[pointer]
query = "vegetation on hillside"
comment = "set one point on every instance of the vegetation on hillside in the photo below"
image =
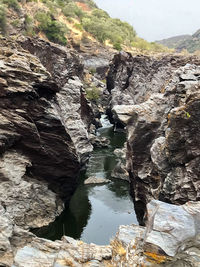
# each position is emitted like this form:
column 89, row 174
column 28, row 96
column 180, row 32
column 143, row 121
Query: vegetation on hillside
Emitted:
column 54, row 30
column 57, row 19
column 143, row 45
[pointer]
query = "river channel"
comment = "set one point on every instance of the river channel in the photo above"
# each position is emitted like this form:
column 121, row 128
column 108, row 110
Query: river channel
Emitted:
column 96, row 211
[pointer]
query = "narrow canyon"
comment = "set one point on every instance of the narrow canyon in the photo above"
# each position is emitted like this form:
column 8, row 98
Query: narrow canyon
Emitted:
column 112, row 181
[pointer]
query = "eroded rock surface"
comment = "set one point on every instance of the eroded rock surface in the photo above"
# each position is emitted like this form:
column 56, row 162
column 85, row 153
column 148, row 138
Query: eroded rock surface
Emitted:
column 67, row 252
column 171, row 237
column 158, row 102
column 169, row 231
column 95, row 180
column 133, row 79
column 43, row 137
column 67, row 70
column 120, row 171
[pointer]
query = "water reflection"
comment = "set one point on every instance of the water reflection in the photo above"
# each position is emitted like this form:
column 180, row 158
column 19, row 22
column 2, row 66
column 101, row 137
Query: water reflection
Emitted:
column 73, row 219
column 96, row 211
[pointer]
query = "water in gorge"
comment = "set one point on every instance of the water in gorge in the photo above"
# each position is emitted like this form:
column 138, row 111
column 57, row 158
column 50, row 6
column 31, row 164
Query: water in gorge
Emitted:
column 96, row 211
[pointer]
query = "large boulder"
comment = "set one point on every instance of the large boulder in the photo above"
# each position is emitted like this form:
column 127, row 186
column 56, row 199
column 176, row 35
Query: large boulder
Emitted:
column 169, row 231
column 67, row 252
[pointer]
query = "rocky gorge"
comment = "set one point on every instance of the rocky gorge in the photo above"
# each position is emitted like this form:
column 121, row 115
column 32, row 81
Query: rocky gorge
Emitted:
column 45, row 127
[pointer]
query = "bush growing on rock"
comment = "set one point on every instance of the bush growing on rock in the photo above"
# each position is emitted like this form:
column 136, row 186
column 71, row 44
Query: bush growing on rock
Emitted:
column 2, row 19
column 54, row 30
column 92, row 93
column 117, row 46
column 28, row 23
column 78, row 27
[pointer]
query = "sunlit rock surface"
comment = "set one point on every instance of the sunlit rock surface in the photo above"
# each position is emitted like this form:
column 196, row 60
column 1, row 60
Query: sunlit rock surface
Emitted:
column 169, row 231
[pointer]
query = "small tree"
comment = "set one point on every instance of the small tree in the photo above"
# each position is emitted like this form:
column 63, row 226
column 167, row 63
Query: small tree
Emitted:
column 2, row 19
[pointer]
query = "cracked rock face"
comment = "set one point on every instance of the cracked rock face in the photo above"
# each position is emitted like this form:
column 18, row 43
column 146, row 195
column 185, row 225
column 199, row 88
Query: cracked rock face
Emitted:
column 67, row 252
column 133, row 79
column 29, row 203
column 162, row 121
column 41, row 150
column 171, row 237
column 30, row 120
column 67, row 70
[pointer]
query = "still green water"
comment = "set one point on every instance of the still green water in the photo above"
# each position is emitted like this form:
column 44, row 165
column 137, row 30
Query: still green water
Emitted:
column 96, row 211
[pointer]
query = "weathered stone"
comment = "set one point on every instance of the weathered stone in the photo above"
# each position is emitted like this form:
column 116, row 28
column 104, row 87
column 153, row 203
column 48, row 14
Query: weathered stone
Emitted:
column 168, row 232
column 95, row 180
column 44, row 119
column 28, row 202
column 71, row 93
column 179, row 222
column 68, row 252
column 162, row 121
column 133, row 79
column 99, row 141
column 120, row 171
column 66, row 69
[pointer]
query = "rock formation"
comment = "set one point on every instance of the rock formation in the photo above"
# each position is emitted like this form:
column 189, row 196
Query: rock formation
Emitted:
column 67, row 70
column 44, row 141
column 43, row 136
column 171, row 238
column 160, row 110
column 172, row 232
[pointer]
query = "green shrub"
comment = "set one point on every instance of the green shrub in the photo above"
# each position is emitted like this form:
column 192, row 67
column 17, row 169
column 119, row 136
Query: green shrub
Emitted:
column 117, row 46
column 92, row 93
column 92, row 71
column 90, row 3
column 2, row 19
column 72, row 10
column 54, row 30
column 99, row 13
column 12, row 4
column 29, row 26
column 96, row 27
column 143, row 45
column 78, row 27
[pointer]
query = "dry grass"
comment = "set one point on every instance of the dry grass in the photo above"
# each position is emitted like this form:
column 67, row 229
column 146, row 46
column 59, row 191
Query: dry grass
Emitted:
column 66, row 262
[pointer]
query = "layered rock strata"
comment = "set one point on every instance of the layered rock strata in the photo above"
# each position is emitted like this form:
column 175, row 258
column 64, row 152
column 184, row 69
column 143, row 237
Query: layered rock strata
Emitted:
column 67, row 70
column 171, row 237
column 43, row 137
column 161, row 113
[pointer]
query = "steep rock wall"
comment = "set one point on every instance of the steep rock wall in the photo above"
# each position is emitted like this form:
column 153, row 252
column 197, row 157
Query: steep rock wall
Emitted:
column 66, row 69
column 43, row 138
column 160, row 110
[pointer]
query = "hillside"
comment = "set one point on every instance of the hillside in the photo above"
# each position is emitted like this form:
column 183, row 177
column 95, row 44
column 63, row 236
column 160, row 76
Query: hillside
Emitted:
column 69, row 22
column 189, row 42
column 174, row 41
